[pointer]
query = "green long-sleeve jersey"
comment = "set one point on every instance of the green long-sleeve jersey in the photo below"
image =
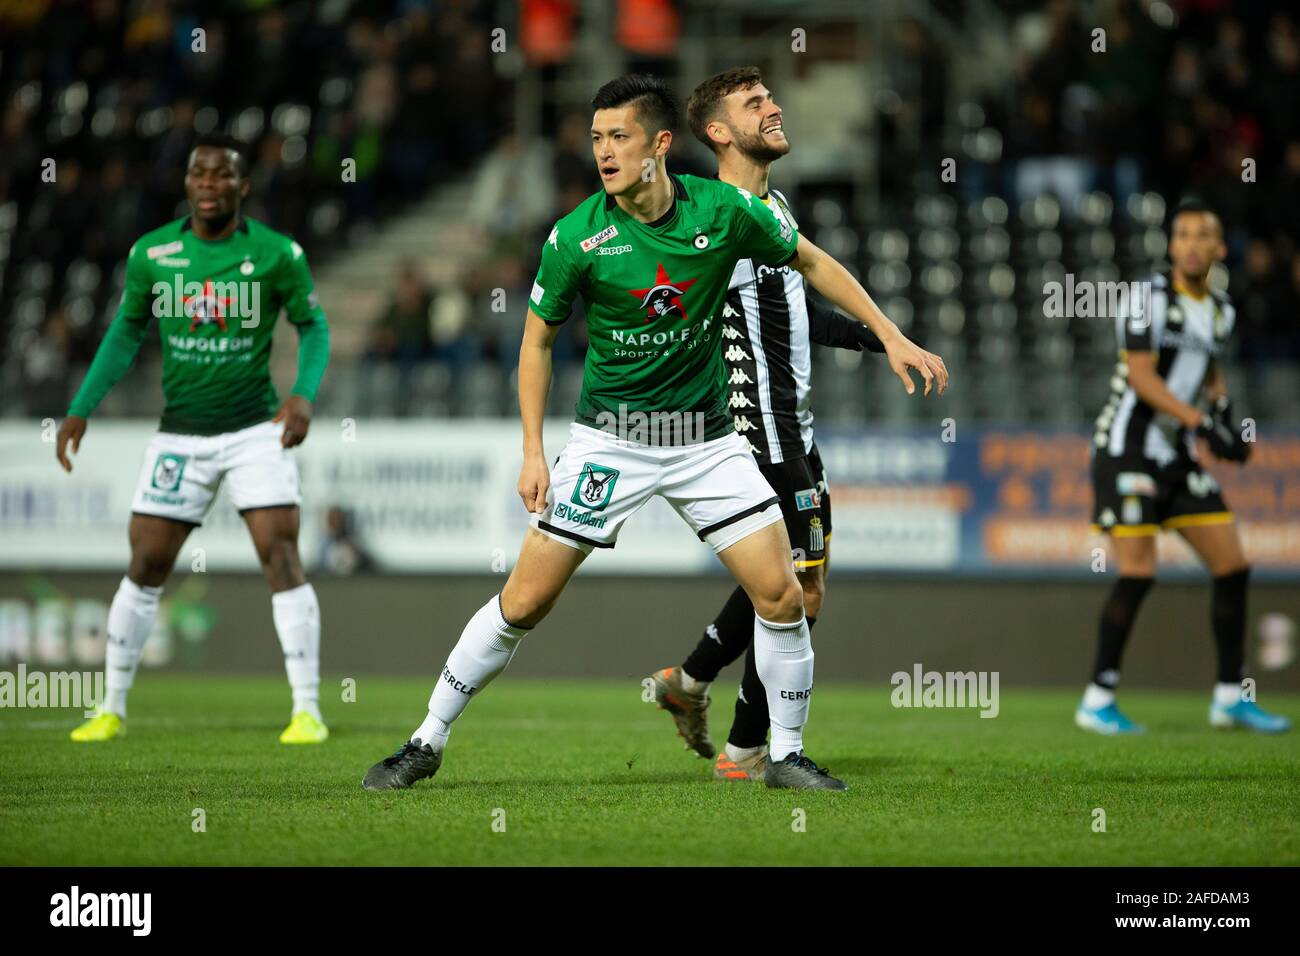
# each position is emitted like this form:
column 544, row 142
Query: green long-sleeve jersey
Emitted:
column 217, row 303
column 654, row 294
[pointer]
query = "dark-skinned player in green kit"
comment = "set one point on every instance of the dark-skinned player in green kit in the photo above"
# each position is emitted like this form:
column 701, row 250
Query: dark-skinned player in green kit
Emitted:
column 651, row 255
column 216, row 281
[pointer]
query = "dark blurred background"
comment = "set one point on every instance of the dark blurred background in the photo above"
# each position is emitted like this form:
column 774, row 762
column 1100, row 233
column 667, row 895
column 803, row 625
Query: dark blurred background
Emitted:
column 1067, row 160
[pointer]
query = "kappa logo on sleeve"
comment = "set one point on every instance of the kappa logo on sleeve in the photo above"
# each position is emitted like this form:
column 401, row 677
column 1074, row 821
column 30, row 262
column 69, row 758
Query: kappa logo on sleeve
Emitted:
column 603, row 236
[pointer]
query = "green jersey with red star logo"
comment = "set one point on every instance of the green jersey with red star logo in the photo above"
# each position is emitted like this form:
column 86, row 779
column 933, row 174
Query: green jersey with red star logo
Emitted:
column 653, row 294
column 217, row 303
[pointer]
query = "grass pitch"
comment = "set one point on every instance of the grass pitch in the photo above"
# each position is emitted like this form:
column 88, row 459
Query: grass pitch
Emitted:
column 585, row 773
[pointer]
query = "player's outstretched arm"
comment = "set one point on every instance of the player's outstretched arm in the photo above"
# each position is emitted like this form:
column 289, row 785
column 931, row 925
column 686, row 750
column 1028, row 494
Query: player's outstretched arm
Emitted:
column 838, row 285
column 534, row 382
column 832, row 329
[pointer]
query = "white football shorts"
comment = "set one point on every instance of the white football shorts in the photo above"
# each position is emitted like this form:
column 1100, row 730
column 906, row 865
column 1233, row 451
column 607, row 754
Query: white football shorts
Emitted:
column 182, row 473
column 600, row 480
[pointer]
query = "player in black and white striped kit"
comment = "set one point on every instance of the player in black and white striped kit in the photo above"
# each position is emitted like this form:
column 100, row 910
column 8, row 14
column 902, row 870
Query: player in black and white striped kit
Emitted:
column 769, row 322
column 1147, row 477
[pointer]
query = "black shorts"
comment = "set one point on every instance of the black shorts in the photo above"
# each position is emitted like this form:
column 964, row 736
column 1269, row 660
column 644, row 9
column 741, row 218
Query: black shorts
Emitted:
column 804, row 506
column 1136, row 497
column 819, row 473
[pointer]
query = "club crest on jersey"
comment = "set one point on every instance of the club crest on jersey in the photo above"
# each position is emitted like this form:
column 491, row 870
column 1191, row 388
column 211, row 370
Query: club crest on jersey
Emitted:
column 206, row 307
column 664, row 298
column 604, row 234
column 595, row 486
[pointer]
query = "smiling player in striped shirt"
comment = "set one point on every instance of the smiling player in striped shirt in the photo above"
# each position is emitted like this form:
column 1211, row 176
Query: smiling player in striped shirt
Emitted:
column 769, row 321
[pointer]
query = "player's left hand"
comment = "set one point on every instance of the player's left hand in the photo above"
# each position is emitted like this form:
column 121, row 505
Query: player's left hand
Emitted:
column 1217, row 428
column 296, row 415
column 904, row 355
column 939, row 369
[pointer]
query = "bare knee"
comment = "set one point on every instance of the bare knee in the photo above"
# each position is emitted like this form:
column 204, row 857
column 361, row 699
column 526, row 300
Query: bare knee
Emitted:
column 281, row 564
column 150, row 566
column 523, row 605
column 781, row 604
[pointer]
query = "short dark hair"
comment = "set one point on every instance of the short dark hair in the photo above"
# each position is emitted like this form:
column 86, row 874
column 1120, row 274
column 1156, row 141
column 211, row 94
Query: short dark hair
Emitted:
column 1194, row 204
column 705, row 103
column 225, row 141
column 656, row 107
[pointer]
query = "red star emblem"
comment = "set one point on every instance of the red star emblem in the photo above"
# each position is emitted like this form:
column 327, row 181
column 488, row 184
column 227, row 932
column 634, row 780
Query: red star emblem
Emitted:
column 203, row 303
column 664, row 297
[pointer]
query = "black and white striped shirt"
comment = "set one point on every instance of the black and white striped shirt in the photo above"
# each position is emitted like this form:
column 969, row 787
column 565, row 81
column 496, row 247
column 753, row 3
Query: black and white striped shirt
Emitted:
column 1186, row 334
column 769, row 363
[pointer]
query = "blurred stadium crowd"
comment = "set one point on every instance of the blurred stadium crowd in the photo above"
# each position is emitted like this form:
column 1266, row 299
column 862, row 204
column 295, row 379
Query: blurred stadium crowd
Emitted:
column 1068, row 160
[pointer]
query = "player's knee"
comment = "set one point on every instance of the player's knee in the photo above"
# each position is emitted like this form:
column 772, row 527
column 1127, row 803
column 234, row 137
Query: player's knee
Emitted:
column 781, row 604
column 149, row 567
column 281, row 564
column 524, row 607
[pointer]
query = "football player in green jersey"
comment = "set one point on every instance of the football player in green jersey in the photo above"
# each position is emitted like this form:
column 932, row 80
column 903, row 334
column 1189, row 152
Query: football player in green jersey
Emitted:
column 217, row 281
column 651, row 255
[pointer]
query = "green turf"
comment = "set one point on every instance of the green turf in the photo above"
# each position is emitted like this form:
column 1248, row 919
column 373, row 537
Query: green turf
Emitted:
column 586, row 773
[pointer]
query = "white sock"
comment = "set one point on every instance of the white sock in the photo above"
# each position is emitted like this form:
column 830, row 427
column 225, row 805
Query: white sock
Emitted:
column 483, row 651
column 1095, row 697
column 1225, row 695
column 296, row 613
column 784, row 657
column 130, row 622
column 743, row 753
column 692, row 685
